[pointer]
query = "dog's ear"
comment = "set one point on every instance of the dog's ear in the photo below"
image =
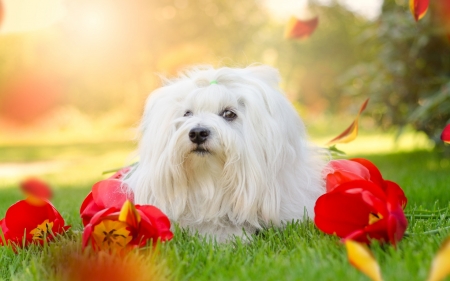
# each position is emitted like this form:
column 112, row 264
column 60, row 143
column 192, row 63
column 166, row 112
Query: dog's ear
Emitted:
column 265, row 73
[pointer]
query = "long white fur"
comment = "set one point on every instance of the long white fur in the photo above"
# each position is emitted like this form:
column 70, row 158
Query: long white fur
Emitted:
column 261, row 170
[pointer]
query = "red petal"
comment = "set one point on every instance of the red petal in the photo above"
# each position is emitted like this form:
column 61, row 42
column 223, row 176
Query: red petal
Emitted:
column 109, row 213
column 397, row 225
column 87, row 231
column 445, row 136
column 375, row 175
column 418, row 8
column 89, row 208
column 298, row 29
column 37, row 188
column 396, row 196
column 342, row 171
column 109, row 193
column 154, row 224
column 351, row 132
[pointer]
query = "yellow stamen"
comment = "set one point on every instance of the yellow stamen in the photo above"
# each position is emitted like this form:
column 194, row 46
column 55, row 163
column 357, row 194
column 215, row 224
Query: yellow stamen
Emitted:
column 373, row 218
column 41, row 231
column 111, row 235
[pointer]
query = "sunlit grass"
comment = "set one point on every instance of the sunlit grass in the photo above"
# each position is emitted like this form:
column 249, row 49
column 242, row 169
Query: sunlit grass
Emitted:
column 299, row 252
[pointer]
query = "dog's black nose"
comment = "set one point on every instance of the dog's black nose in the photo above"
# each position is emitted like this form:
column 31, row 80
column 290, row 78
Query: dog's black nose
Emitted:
column 198, row 135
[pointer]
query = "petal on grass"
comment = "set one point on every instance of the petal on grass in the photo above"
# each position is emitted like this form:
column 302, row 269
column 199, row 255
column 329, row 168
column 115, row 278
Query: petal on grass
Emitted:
column 362, row 259
column 418, row 8
column 440, row 268
column 351, row 132
column 445, row 136
column 300, row 29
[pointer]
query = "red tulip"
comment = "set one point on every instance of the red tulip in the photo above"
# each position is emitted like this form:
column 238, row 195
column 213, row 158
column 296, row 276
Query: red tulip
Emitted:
column 132, row 226
column 359, row 204
column 31, row 221
column 105, row 194
column 445, row 136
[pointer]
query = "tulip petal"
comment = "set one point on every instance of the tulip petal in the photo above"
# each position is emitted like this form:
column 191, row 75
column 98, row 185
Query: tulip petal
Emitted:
column 89, row 209
column 445, row 136
column 154, row 225
column 375, row 174
column 440, row 268
column 109, row 193
column 395, row 195
column 351, row 132
column 362, row 259
column 36, row 188
column 418, row 8
column 129, row 215
column 340, row 171
column 299, row 29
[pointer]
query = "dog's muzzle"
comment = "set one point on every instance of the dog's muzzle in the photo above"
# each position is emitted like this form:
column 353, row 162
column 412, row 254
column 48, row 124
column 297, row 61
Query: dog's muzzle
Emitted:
column 198, row 135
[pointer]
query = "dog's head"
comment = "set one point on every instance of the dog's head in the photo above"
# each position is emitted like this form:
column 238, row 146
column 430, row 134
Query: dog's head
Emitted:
column 218, row 143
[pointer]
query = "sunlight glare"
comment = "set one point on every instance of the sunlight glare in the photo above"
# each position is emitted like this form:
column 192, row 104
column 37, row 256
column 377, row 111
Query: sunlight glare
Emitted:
column 26, row 15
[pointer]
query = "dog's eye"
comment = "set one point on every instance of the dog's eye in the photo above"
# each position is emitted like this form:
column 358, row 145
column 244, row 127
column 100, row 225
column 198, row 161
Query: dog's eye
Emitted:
column 229, row 115
column 188, row 113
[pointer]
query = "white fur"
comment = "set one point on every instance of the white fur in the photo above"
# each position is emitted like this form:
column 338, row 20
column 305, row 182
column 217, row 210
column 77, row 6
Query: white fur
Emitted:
column 261, row 170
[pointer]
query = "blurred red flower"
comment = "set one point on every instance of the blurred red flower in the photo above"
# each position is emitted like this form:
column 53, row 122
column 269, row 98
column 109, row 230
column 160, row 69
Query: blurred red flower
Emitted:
column 445, row 136
column 359, row 204
column 31, row 221
column 105, row 194
column 132, row 226
column 36, row 187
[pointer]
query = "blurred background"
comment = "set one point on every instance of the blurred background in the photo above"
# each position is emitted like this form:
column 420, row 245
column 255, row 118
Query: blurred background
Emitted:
column 74, row 74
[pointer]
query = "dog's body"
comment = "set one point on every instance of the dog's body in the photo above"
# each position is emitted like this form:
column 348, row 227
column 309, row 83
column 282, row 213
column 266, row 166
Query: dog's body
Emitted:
column 223, row 151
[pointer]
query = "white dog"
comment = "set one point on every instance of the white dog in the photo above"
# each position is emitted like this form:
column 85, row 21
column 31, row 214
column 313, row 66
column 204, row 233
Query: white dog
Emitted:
column 224, row 153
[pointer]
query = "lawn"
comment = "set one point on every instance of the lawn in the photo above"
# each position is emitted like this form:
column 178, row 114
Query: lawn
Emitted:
column 298, row 252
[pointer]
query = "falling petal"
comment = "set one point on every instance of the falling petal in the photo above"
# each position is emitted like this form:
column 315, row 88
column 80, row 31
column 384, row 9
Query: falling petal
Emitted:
column 440, row 267
column 129, row 215
column 445, row 136
column 362, row 259
column 352, row 131
column 299, row 29
column 418, row 8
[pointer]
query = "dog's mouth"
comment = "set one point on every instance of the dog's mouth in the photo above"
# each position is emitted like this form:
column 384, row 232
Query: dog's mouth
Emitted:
column 201, row 151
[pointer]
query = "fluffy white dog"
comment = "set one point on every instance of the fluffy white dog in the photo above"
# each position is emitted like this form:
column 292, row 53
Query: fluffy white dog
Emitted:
column 224, row 153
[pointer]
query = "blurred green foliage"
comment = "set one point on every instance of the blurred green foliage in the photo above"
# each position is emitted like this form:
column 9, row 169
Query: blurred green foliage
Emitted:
column 407, row 75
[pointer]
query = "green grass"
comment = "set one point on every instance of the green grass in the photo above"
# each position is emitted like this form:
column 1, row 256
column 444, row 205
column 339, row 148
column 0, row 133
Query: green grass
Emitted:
column 298, row 252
